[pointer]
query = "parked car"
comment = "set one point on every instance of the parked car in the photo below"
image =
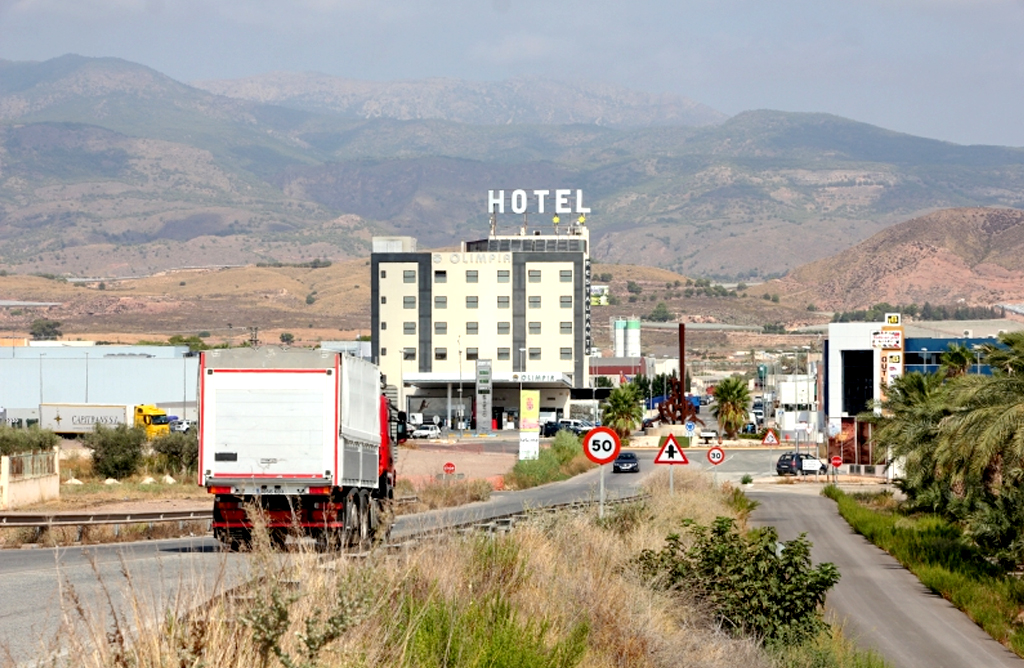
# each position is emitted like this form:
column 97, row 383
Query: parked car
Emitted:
column 793, row 464
column 549, row 429
column 749, row 428
column 626, row 461
column 184, row 426
column 427, row 431
column 576, row 426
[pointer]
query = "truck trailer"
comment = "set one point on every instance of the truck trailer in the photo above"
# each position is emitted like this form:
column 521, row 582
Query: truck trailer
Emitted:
column 304, row 437
column 72, row 419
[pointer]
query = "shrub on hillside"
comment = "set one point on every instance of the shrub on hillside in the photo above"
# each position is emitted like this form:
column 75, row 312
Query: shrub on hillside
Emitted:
column 117, row 452
column 179, row 451
column 16, row 441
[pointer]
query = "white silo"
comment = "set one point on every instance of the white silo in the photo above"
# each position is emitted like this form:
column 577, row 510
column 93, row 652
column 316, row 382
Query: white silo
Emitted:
column 620, row 337
column 632, row 348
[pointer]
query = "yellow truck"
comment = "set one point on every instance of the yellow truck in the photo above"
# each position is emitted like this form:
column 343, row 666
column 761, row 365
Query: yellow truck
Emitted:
column 75, row 419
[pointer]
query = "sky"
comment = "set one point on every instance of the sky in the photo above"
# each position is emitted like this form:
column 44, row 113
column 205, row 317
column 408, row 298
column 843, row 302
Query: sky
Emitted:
column 945, row 69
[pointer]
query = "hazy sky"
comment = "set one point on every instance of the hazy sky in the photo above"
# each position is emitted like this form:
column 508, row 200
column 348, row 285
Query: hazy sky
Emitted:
column 948, row 69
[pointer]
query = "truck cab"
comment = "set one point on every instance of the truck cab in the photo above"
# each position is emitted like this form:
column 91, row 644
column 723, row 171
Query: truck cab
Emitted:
column 154, row 420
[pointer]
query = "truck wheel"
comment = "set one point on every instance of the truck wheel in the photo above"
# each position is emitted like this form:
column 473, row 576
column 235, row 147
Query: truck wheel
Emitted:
column 364, row 519
column 351, row 512
column 235, row 541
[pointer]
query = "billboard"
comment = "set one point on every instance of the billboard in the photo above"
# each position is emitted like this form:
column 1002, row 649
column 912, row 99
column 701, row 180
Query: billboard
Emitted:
column 529, row 424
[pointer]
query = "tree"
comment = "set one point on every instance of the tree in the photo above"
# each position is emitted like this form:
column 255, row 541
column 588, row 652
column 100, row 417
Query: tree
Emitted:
column 622, row 412
column 957, row 360
column 287, row 338
column 732, row 399
column 44, row 329
column 633, row 288
column 660, row 313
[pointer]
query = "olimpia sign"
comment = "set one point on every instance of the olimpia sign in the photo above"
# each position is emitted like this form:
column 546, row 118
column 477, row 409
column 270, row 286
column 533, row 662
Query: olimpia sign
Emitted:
column 562, row 201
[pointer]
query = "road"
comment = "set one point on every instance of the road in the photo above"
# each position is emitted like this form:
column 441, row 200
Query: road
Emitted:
column 880, row 604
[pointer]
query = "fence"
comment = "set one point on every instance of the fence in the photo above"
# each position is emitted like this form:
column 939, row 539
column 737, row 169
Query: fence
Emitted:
column 29, row 478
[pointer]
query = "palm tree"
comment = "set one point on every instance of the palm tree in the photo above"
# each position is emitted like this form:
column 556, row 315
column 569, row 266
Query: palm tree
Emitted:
column 914, row 407
column 732, row 400
column 622, row 412
column 1008, row 355
column 956, row 360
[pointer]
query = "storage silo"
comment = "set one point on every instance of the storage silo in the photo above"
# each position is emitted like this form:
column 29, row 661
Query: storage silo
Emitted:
column 632, row 338
column 619, row 328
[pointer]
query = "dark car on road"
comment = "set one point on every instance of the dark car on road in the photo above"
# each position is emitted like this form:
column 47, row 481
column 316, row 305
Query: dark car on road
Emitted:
column 626, row 462
column 791, row 463
column 549, row 429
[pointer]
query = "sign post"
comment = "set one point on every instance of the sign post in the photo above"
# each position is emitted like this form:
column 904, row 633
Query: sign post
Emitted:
column 671, row 453
column 601, row 445
column 836, row 462
column 448, row 468
column 716, row 456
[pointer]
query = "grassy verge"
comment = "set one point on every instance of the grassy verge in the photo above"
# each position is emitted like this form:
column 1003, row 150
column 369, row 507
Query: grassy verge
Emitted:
column 943, row 560
column 560, row 591
column 561, row 461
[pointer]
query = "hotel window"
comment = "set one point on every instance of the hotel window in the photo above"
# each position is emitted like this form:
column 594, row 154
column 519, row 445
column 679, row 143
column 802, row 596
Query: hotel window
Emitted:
column 440, row 302
column 408, row 328
column 383, row 352
column 408, row 353
column 440, row 354
column 383, row 326
column 472, row 328
column 383, row 300
column 503, row 302
column 534, row 328
column 534, row 275
column 472, row 354
column 565, row 328
column 503, row 276
column 565, row 353
column 383, row 273
column 440, row 328
column 440, row 276
column 504, row 354
column 504, row 328
column 534, row 354
column 565, row 301
column 409, row 276
column 408, row 302
column 535, row 302
column 565, row 276
column 472, row 302
column 472, row 276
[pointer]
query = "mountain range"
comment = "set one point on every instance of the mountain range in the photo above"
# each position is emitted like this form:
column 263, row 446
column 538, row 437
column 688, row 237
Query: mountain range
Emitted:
column 109, row 168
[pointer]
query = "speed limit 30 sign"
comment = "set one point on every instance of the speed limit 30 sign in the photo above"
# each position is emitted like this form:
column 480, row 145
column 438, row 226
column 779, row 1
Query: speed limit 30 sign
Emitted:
column 601, row 445
column 716, row 455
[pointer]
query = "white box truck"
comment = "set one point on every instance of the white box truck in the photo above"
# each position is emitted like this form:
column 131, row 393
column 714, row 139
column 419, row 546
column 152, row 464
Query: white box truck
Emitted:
column 305, row 435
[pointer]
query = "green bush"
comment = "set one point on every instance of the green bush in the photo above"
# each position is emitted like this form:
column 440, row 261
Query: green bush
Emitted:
column 117, row 452
column 565, row 446
column 755, row 585
column 180, row 452
column 16, row 441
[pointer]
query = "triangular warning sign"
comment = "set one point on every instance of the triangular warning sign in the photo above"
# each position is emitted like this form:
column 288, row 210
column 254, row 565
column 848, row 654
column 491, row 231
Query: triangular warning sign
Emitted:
column 671, row 453
column 770, row 438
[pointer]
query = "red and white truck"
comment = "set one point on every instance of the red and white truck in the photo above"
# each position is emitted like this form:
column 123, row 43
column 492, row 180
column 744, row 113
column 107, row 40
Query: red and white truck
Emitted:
column 306, row 436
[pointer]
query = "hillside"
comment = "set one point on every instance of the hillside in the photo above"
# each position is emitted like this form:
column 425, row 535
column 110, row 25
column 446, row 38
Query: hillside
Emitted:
column 520, row 101
column 108, row 169
column 971, row 255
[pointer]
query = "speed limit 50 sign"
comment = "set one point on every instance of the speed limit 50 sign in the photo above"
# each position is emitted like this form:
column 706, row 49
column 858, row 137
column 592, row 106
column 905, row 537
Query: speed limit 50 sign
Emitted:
column 601, row 445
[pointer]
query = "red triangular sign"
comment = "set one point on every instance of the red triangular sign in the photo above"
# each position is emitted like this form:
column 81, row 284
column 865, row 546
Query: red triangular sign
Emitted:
column 671, row 453
column 770, row 438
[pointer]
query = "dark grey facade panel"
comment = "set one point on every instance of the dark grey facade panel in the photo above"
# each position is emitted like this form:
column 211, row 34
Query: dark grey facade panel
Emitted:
column 425, row 297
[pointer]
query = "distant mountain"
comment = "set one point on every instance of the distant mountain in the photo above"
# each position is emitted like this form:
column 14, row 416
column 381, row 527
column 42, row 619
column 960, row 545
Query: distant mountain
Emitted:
column 519, row 101
column 973, row 256
column 110, row 168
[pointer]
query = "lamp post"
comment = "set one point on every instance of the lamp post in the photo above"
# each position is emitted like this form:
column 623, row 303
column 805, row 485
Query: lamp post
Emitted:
column 522, row 369
column 87, row 378
column 41, row 356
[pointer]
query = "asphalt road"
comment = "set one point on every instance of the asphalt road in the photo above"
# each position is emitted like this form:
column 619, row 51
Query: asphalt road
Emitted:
column 880, row 604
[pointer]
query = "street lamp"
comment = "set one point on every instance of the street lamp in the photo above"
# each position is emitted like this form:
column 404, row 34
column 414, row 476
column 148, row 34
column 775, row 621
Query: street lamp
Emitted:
column 522, row 369
column 462, row 411
column 87, row 378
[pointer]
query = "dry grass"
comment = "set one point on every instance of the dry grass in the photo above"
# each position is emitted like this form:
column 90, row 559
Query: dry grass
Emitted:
column 562, row 586
column 99, row 533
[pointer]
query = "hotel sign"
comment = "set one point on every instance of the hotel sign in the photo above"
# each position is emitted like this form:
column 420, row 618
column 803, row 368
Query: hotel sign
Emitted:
column 518, row 201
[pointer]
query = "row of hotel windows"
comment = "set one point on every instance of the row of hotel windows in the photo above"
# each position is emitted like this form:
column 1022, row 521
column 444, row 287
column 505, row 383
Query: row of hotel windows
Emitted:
column 565, row 301
column 473, row 275
column 441, row 354
column 409, row 327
